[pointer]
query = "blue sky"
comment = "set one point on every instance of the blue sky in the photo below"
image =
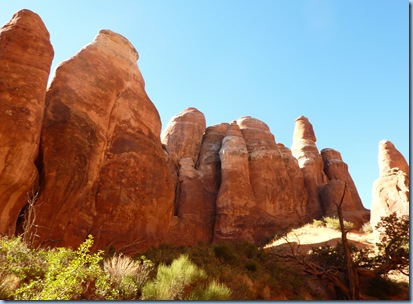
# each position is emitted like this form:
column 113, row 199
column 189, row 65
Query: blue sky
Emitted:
column 343, row 64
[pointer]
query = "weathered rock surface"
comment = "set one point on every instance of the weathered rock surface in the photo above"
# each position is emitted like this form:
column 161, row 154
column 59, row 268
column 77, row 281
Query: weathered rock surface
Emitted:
column 273, row 189
column 330, row 195
column 304, row 149
column 235, row 197
column 194, row 203
column 391, row 189
column 104, row 170
column 25, row 58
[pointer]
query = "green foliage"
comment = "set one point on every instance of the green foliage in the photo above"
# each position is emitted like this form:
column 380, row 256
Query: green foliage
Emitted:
column 67, row 276
column 392, row 254
column 318, row 223
column 172, row 282
column 213, row 292
column 334, row 223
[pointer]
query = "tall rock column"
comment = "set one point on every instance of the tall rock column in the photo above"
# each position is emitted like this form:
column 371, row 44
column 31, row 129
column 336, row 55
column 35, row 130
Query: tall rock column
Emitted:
column 105, row 172
column 304, row 149
column 273, row 189
column 25, row 58
column 391, row 189
column 235, row 197
column 337, row 172
column 194, row 205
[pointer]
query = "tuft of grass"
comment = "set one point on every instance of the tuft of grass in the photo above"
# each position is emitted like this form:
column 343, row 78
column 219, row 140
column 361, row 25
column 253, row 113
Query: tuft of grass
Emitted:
column 128, row 275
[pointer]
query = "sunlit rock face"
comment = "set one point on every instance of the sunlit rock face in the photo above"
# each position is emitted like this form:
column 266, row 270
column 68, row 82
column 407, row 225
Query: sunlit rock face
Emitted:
column 25, row 58
column 332, row 193
column 305, row 150
column 104, row 169
column 391, row 189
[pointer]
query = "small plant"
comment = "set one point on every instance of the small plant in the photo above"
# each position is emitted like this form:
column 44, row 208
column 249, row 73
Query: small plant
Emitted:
column 213, row 292
column 128, row 275
column 172, row 282
column 366, row 228
column 318, row 223
column 334, row 223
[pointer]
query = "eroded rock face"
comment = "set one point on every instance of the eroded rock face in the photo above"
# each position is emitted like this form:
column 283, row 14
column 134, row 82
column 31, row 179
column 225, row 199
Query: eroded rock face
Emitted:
column 104, row 170
column 25, row 58
column 304, row 149
column 194, row 203
column 391, row 189
column 235, row 197
column 337, row 172
column 271, row 184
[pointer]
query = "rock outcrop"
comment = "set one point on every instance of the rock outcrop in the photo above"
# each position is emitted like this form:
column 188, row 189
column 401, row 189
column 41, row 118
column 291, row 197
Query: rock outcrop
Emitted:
column 26, row 55
column 104, row 170
column 391, row 189
column 235, row 197
column 337, row 172
column 194, row 204
column 271, row 184
column 304, row 149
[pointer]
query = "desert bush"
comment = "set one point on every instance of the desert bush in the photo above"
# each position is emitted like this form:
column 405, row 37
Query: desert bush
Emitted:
column 334, row 223
column 127, row 275
column 172, row 282
column 213, row 292
column 366, row 228
column 69, row 275
column 318, row 223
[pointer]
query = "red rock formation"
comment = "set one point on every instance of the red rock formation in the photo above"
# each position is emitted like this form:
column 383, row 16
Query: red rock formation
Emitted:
column 273, row 189
column 305, row 151
column 300, row 195
column 25, row 59
column 194, row 204
column 104, row 170
column 391, row 189
column 330, row 195
column 235, row 197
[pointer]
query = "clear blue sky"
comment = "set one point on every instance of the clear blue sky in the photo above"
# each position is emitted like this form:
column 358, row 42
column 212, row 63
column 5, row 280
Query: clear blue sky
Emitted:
column 344, row 64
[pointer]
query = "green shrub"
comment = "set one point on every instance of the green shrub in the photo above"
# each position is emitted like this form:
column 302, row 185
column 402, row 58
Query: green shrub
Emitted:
column 172, row 282
column 318, row 223
column 225, row 252
column 334, row 223
column 213, row 292
column 251, row 265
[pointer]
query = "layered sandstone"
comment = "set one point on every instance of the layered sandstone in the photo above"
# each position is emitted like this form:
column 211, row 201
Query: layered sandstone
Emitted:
column 305, row 150
column 25, row 58
column 194, row 203
column 104, row 170
column 330, row 195
column 235, row 197
column 391, row 189
column 271, row 184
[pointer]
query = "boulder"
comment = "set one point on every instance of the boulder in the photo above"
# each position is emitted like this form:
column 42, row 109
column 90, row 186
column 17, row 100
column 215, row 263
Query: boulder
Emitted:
column 391, row 189
column 105, row 172
column 305, row 150
column 26, row 55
